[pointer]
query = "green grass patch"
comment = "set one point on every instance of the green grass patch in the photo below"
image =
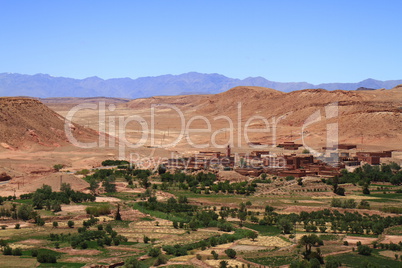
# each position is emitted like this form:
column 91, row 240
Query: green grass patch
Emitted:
column 23, row 201
column 49, row 251
column 147, row 219
column 382, row 200
column 329, row 237
column 356, row 260
column 121, row 224
column 264, row 230
column 129, row 243
column 387, row 196
column 161, row 215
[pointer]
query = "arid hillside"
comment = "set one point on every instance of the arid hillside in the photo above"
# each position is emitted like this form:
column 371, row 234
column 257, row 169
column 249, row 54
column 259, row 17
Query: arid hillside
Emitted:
column 363, row 117
column 28, row 124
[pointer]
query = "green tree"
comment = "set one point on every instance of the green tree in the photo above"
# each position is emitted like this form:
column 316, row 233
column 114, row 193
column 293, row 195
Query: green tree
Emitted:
column 364, row 250
column 231, row 253
column 332, row 262
column 161, row 169
column 70, row 224
column 117, row 216
column 285, row 225
column 315, row 263
column 154, row 252
column 223, row 264
column 93, row 186
column 109, row 186
column 252, row 235
column 309, row 241
column 57, row 167
column 146, row 239
column 160, row 260
column 46, row 257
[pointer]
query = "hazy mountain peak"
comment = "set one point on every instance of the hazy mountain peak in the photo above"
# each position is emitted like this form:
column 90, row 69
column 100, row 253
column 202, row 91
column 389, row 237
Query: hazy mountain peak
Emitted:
column 44, row 85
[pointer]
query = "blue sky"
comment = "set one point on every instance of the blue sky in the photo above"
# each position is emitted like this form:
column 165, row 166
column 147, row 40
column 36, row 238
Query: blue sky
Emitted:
column 285, row 41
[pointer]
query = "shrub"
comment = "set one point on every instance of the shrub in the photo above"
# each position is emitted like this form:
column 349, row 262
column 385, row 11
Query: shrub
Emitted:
column 366, row 190
column 17, row 226
column 231, row 253
column 55, row 224
column 7, row 250
column 154, row 252
column 84, row 245
column 45, row 257
column 34, row 253
column 70, row 224
column 146, row 239
column 132, row 262
column 340, row 191
column 98, row 210
column 58, row 167
column 315, row 263
column 223, row 264
column 107, row 241
column 99, row 242
column 332, row 263
column 364, row 250
column 39, row 221
column 161, row 260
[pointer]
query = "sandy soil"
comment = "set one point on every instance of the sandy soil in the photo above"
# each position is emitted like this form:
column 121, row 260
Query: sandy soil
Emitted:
column 364, row 240
column 391, row 238
column 389, row 253
column 107, row 199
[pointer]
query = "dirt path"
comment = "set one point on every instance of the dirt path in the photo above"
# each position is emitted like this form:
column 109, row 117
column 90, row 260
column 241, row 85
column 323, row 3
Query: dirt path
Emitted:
column 198, row 263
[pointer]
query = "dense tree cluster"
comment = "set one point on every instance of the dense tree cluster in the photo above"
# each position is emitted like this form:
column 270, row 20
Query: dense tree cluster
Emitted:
column 366, row 174
column 309, row 241
column 345, row 203
column 339, row 222
column 44, row 197
column 115, row 163
column 108, row 176
column 102, row 237
column 181, row 249
column 205, row 183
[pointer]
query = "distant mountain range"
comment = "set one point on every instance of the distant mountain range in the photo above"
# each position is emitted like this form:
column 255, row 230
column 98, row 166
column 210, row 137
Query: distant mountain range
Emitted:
column 45, row 86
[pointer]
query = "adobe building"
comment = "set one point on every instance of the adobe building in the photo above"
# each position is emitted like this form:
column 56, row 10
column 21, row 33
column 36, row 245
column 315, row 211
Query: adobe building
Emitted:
column 373, row 158
column 341, row 146
column 289, row 145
